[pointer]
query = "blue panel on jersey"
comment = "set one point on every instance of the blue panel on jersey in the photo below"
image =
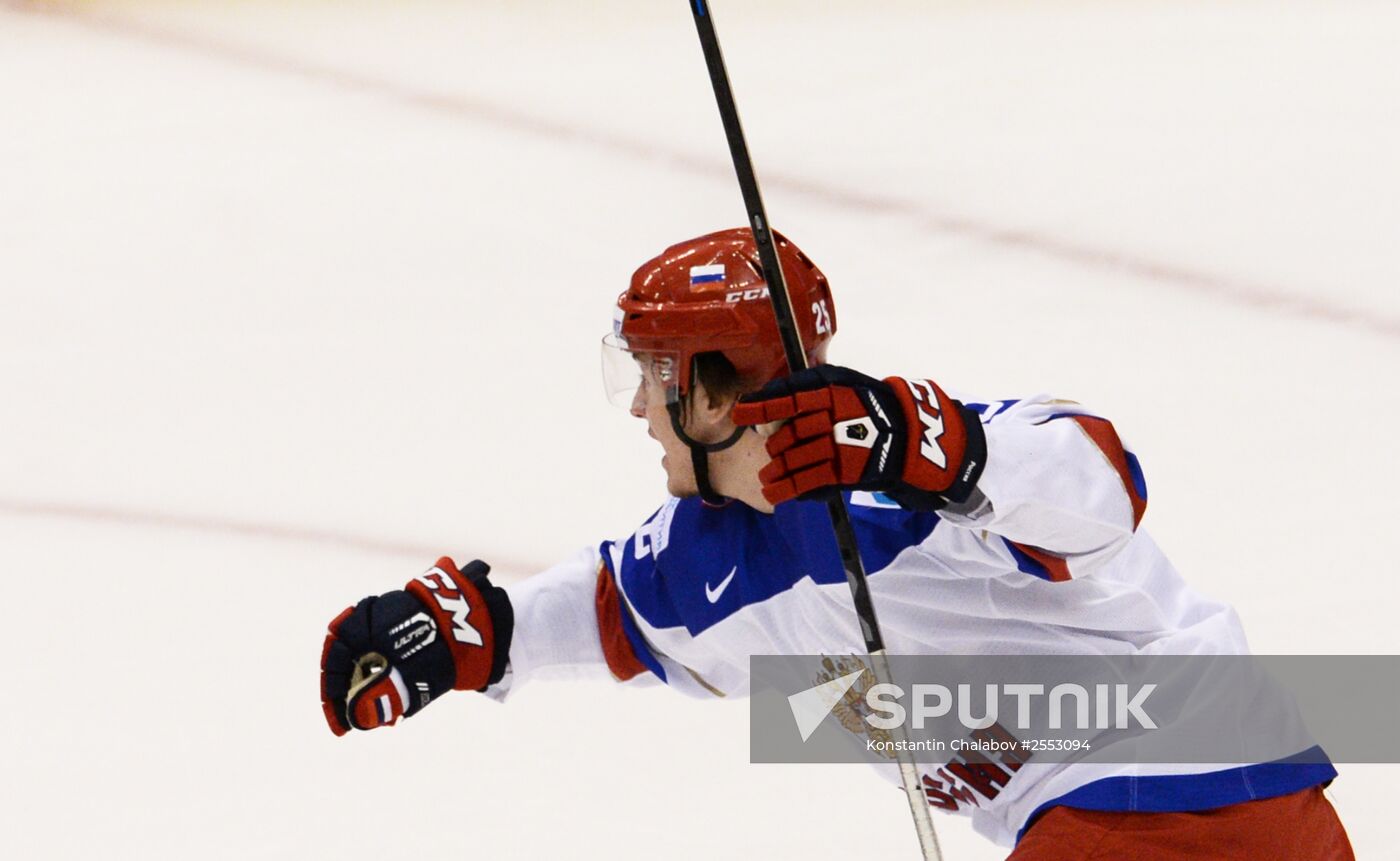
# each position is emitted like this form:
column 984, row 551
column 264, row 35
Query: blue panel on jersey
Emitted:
column 1135, row 470
column 1176, row 793
column 716, row 561
column 992, row 410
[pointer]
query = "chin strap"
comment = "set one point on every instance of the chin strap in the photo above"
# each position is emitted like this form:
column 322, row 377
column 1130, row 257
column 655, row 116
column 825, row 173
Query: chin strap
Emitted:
column 700, row 454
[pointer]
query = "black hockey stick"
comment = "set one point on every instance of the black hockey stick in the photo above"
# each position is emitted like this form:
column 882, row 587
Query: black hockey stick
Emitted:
column 797, row 360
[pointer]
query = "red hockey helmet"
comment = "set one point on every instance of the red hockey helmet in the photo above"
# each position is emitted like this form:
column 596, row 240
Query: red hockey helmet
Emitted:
column 708, row 294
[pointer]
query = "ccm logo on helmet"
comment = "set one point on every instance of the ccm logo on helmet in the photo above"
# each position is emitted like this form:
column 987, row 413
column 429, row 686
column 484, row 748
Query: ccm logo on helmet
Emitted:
column 452, row 602
column 746, row 295
column 927, row 402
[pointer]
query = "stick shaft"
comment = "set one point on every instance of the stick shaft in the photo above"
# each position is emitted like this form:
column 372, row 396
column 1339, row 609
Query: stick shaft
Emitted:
column 797, row 360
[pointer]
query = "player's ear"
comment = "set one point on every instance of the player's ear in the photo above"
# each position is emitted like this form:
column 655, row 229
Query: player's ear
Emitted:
column 712, row 408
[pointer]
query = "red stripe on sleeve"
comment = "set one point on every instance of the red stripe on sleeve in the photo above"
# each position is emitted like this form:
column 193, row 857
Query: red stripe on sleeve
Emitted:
column 617, row 649
column 1106, row 438
column 1056, row 567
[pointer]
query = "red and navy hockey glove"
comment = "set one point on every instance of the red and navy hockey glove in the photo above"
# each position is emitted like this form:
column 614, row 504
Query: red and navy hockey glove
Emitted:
column 391, row 655
column 844, row 430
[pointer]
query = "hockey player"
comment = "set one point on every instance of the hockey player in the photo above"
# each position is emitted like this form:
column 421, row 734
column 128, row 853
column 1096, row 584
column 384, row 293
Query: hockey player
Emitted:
column 986, row 526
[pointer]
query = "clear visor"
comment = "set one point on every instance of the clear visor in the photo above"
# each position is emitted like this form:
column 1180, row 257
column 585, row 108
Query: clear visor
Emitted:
column 634, row 378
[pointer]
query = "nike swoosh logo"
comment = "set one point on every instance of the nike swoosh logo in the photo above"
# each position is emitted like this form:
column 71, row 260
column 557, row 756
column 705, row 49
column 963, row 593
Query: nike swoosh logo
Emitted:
column 713, row 594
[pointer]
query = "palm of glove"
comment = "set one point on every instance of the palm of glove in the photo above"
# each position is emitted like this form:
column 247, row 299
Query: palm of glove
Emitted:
column 845, row 430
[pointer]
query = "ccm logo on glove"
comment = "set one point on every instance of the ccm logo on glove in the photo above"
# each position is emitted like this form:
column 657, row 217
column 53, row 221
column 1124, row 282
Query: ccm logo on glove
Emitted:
column 453, row 602
column 926, row 404
column 844, row 430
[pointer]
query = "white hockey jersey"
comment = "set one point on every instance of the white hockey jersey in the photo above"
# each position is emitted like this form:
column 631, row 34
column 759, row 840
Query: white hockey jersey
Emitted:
column 1046, row 559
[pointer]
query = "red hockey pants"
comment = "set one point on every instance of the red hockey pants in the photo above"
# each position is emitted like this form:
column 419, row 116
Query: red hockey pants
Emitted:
column 1298, row 827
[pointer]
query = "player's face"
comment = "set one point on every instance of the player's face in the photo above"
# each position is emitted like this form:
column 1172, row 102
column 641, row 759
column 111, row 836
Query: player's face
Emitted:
column 650, row 403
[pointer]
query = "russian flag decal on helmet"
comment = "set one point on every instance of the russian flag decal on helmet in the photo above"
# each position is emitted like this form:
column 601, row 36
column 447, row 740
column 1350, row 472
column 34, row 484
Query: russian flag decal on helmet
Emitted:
column 706, row 274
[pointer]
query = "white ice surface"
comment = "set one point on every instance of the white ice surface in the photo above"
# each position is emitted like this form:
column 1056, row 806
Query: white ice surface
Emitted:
column 294, row 297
